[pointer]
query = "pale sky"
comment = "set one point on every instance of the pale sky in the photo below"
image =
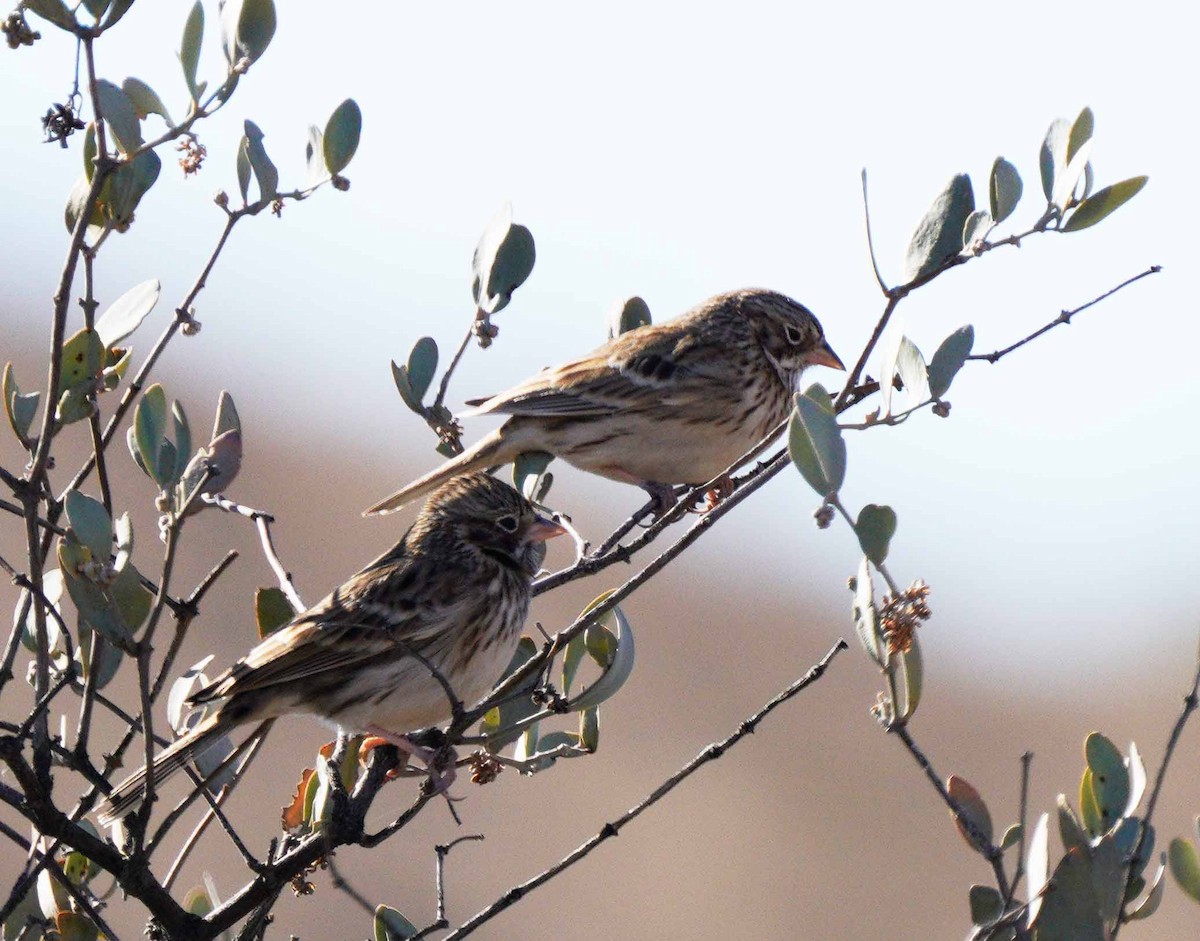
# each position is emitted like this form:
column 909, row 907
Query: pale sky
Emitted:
column 677, row 151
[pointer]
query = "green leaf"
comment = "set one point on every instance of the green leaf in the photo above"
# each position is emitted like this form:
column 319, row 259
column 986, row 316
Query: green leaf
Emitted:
column 609, row 642
column 422, row 364
column 127, row 312
column 99, row 660
column 1185, row 866
column 91, row 523
column 197, row 902
column 189, row 47
column 89, row 150
column 131, row 598
column 815, row 441
column 96, row 7
column 248, row 26
column 243, row 169
column 589, row 728
column 76, row 200
column 126, row 187
column 340, row 140
column 1110, row 779
column 938, row 236
column 1012, row 836
column 224, row 456
column 75, row 926
column 53, row 10
column 626, row 315
column 987, row 904
column 503, row 260
column 949, row 359
column 914, row 678
column 973, row 809
column 1052, row 158
column 149, row 424
column 82, row 356
column 1101, row 204
column 914, row 374
column 1089, row 810
column 497, row 723
column 271, row 611
column 265, row 173
column 1037, row 865
column 183, row 441
column 314, row 156
column 572, row 658
column 118, row 9
column 20, row 408
column 120, row 114
column 227, row 416
column 875, row 527
column 1066, row 183
column 92, row 602
column 390, row 925
column 1069, row 828
column 1081, row 133
column 1004, row 189
column 1149, row 905
column 866, row 617
column 528, row 471
column 1071, row 911
column 145, row 100
column 976, row 228
column 404, row 387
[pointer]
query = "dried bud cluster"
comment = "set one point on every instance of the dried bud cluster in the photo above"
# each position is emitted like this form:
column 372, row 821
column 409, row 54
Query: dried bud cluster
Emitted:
column 194, row 153
column 17, row 32
column 823, row 515
column 484, row 767
column 901, row 616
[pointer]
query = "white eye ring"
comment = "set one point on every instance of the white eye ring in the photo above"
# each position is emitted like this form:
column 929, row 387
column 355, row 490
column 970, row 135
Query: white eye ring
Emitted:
column 794, row 336
column 508, row 523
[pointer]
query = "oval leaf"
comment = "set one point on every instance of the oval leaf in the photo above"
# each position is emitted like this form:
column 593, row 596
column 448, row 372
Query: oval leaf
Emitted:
column 145, row 100
column 265, row 174
column 502, row 262
column 973, row 809
column 1101, row 204
column 875, row 527
column 815, row 441
column 976, row 228
column 1037, row 864
column 626, row 315
column 1004, row 189
column 390, row 925
column 949, row 359
column 119, row 112
column 986, row 904
column 91, row 523
column 127, row 312
column 938, row 236
column 342, row 132
column 271, row 610
column 422, row 364
column 189, row 46
column 1053, row 156
column 866, row 617
column 1110, row 779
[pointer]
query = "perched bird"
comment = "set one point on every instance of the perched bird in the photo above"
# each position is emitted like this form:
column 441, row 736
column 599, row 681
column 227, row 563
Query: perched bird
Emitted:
column 450, row 597
column 663, row 404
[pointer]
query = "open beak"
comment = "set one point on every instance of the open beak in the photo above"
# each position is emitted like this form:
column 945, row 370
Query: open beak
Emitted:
column 543, row 528
column 824, row 355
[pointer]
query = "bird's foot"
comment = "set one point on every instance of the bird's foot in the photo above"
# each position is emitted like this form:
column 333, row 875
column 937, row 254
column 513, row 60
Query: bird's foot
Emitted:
column 721, row 488
column 662, row 499
column 439, row 760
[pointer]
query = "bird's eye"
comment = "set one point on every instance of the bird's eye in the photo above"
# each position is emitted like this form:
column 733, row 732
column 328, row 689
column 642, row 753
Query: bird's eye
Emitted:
column 508, row 523
column 794, row 335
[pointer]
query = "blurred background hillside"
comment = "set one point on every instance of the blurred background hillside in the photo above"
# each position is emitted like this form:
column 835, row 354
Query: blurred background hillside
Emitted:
column 675, row 153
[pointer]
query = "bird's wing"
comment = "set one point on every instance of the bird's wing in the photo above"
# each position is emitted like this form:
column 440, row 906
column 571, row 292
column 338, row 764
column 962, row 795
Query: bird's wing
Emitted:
column 370, row 618
column 653, row 362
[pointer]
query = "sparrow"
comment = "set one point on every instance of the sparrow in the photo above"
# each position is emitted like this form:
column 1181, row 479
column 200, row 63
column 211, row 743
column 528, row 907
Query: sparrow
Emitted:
column 446, row 603
column 662, row 404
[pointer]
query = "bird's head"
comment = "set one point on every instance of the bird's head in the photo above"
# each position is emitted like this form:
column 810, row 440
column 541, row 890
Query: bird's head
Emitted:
column 788, row 332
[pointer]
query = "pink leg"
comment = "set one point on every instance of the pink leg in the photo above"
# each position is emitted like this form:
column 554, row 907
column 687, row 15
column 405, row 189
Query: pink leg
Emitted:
column 440, row 778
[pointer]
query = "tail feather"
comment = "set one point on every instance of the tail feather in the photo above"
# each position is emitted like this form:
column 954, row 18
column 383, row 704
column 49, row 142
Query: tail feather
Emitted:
column 496, row 448
column 129, row 793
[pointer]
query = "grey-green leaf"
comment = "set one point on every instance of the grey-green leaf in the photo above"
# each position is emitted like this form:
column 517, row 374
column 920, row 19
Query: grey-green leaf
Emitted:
column 949, row 359
column 53, row 10
column 610, row 642
column 503, row 260
column 1071, row 910
column 1102, row 203
column 1052, row 158
column 422, row 364
column 1110, row 778
column 1004, row 189
column 145, row 100
column 404, row 387
column 248, row 26
column 342, row 132
column 866, row 617
column 149, row 422
column 815, row 441
column 976, row 228
column 189, row 47
column 986, row 904
column 127, row 312
column 20, row 408
column 227, row 416
column 875, row 527
column 528, row 468
column 91, row 524
column 265, row 173
column 390, row 925
column 1081, row 133
column 1185, row 866
column 243, row 169
column 626, row 315
column 129, row 184
column 120, row 114
column 938, row 236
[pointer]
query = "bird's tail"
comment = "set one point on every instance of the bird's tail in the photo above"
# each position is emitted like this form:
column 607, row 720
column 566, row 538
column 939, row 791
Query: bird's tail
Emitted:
column 490, row 451
column 126, row 795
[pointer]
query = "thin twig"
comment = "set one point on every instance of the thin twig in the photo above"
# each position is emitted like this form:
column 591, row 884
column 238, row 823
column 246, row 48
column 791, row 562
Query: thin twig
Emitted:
column 262, row 521
column 1063, row 318
column 1190, row 701
column 870, row 241
column 711, row 753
